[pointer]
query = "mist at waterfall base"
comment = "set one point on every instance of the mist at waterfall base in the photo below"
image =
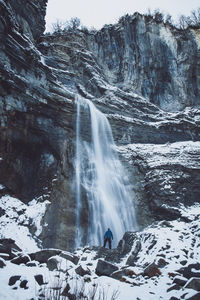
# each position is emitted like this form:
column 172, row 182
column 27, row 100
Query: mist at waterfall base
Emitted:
column 103, row 197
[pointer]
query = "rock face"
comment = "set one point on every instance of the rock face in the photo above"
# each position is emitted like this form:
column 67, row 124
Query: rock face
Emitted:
column 131, row 71
column 156, row 60
column 37, row 125
column 171, row 177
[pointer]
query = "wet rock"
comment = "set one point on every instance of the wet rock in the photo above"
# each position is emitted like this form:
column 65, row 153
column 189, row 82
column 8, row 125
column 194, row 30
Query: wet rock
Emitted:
column 105, row 268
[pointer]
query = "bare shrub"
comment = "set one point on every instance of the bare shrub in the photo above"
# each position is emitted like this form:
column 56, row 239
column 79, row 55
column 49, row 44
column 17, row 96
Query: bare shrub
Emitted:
column 192, row 21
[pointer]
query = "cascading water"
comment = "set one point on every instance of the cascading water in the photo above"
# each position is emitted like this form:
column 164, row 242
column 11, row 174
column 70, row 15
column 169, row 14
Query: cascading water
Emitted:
column 100, row 179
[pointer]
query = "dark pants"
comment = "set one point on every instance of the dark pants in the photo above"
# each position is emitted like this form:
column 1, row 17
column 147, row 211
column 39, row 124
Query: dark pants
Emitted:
column 109, row 242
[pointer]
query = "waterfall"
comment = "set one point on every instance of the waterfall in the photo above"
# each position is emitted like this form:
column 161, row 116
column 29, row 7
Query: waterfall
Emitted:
column 102, row 189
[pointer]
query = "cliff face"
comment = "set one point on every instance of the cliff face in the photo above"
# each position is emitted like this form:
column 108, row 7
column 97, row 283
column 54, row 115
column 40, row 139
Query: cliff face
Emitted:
column 37, row 125
column 131, row 71
column 157, row 61
column 25, row 16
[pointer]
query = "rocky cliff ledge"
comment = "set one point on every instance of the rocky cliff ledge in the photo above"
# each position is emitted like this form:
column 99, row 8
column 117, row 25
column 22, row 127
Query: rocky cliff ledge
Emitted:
column 131, row 71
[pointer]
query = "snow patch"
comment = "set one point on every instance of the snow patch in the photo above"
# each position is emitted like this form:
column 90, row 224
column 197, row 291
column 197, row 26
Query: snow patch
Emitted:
column 2, row 187
column 19, row 218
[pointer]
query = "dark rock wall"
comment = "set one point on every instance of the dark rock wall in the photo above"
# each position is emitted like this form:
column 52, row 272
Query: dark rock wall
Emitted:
column 37, row 122
column 28, row 15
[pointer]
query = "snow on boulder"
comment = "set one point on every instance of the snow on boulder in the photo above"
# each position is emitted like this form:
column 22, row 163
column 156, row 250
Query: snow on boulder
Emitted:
column 82, row 271
column 13, row 279
column 193, row 283
column 43, row 255
column 152, row 270
column 2, row 263
column 21, row 259
column 105, row 268
column 69, row 256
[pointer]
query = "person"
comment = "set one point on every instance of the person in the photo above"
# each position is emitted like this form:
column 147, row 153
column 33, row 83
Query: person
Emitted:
column 107, row 238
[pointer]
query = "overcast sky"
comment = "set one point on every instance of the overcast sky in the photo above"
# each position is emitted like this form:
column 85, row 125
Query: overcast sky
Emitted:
column 96, row 13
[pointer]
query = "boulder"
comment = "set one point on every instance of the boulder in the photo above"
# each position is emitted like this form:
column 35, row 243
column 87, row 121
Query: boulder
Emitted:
column 161, row 262
column 193, row 283
column 13, row 279
column 174, row 287
column 66, row 290
column 21, row 259
column 105, row 268
column 111, row 255
column 39, row 279
column 194, row 297
column 52, row 263
column 183, row 262
column 66, row 293
column 8, row 244
column 32, row 264
column 121, row 273
column 152, row 270
column 8, row 249
column 81, row 271
column 2, row 263
column 23, row 284
column 42, row 256
column 133, row 257
column 180, row 280
column 189, row 271
column 69, row 256
column 125, row 245
column 5, row 256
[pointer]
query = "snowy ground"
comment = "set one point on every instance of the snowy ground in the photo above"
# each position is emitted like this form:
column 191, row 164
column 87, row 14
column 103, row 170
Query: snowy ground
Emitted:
column 177, row 242
column 18, row 218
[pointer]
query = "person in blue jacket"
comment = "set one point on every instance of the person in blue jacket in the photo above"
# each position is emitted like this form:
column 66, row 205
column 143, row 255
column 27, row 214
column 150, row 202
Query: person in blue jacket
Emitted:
column 108, row 236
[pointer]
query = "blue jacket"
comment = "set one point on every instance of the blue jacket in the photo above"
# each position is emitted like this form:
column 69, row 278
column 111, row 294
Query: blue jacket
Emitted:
column 108, row 234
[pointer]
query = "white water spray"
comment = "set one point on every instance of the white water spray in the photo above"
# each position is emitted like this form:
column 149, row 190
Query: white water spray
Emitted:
column 100, row 179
